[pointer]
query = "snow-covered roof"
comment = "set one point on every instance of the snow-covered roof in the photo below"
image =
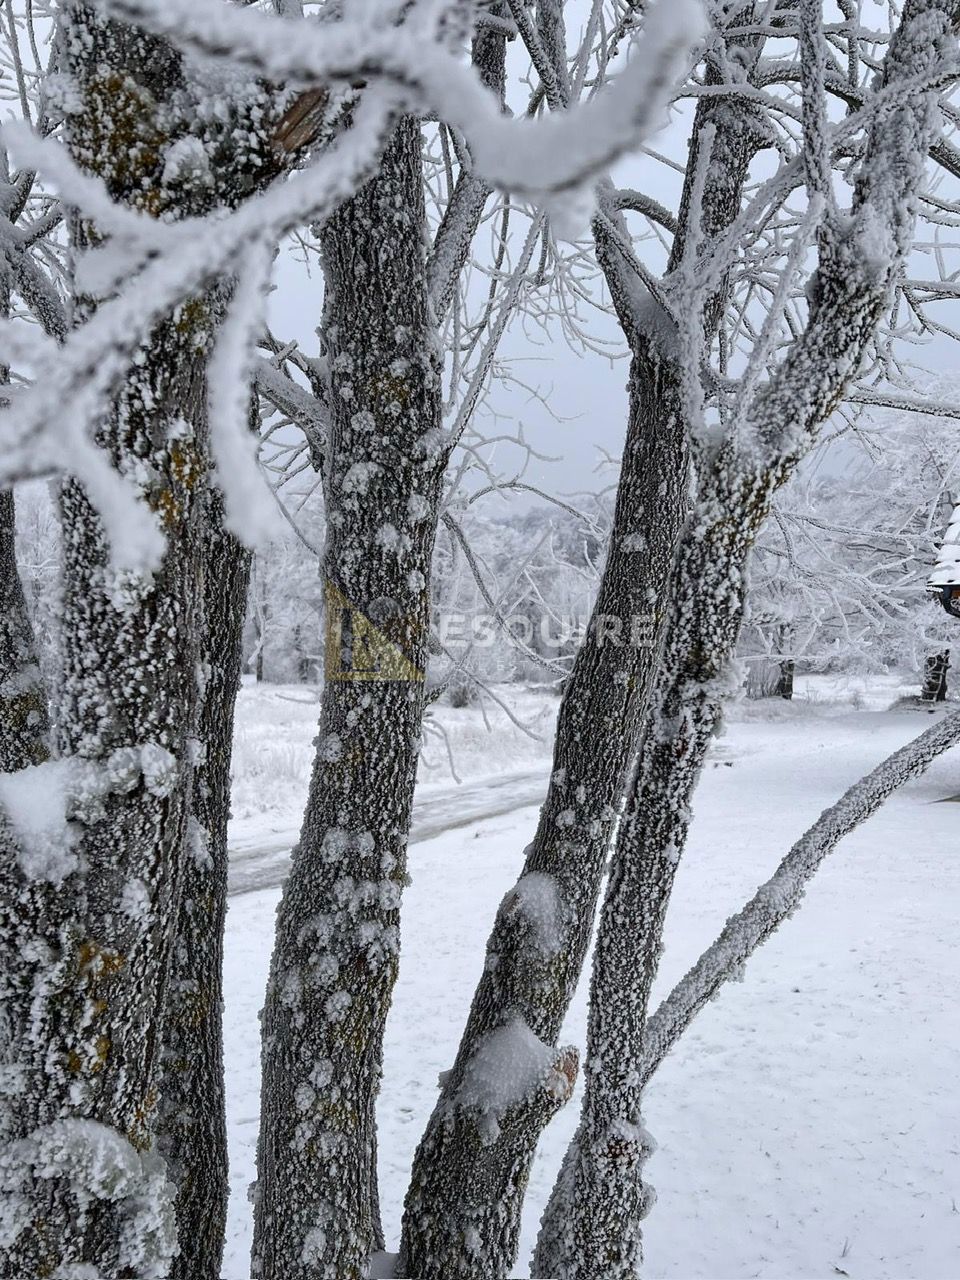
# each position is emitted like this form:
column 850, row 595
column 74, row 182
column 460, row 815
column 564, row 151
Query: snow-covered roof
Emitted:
column 946, row 571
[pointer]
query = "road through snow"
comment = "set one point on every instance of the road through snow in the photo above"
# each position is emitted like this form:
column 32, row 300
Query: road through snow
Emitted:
column 259, row 859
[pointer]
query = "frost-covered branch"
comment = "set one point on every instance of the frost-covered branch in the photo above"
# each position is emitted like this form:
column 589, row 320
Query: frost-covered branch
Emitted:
column 780, row 896
column 524, row 156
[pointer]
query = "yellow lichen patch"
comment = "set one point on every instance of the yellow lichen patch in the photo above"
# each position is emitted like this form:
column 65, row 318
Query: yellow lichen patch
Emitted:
column 186, row 463
column 192, row 319
column 186, row 469
column 386, row 389
column 119, row 139
column 101, row 1052
column 191, row 1009
column 95, row 962
column 138, row 1135
column 165, row 504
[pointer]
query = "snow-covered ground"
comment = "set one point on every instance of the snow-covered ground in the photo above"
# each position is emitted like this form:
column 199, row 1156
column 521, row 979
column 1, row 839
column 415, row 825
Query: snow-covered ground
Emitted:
column 809, row 1123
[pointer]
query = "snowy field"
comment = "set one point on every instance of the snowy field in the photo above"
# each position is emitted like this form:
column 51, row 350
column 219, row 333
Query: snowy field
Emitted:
column 809, row 1123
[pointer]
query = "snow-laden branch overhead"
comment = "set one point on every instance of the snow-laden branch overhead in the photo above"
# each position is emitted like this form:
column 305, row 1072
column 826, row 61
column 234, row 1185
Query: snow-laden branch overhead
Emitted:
column 83, row 372
column 528, row 157
column 152, row 266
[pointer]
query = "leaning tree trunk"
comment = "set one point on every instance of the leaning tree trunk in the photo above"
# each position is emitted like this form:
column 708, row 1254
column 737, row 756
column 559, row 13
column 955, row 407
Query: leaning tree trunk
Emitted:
column 461, row 1215
column 592, row 1224
column 780, row 896
column 462, row 1211
column 336, row 951
column 191, row 1124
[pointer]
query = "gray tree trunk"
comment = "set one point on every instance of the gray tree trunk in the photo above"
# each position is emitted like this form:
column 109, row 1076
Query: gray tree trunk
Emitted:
column 461, row 1215
column 96, row 924
column 462, row 1211
column 89, row 1063
column 337, row 942
column 25, row 900
column 785, row 680
column 84, row 1185
column 592, row 1224
column 780, row 896
column 24, row 717
column 191, row 1122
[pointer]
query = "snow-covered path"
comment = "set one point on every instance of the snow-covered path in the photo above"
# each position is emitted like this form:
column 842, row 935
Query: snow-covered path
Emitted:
column 259, row 859
column 809, row 1123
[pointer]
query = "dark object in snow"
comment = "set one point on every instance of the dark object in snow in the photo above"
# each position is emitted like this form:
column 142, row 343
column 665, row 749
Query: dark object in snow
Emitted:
column 944, row 581
column 949, row 597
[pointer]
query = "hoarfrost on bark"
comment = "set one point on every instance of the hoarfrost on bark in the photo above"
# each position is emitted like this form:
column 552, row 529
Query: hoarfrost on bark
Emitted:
column 35, row 802
column 558, row 153
column 101, row 1166
column 508, row 1065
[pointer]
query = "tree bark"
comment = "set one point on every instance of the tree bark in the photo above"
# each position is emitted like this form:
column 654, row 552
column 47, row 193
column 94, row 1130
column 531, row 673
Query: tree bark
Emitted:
column 85, row 1187
column 24, row 717
column 24, row 714
column 782, row 894
column 337, row 942
column 592, row 1224
column 191, row 1122
column 785, row 681
column 935, row 670
column 462, row 1211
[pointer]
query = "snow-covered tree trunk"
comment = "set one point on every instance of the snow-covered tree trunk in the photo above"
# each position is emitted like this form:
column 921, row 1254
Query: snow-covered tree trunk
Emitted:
column 462, row 1212
column 24, row 742
column 592, row 1225
column 84, row 1187
column 24, row 716
column 336, row 950
column 785, row 679
column 191, row 1123
column 84, row 1182
column 462, row 1209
